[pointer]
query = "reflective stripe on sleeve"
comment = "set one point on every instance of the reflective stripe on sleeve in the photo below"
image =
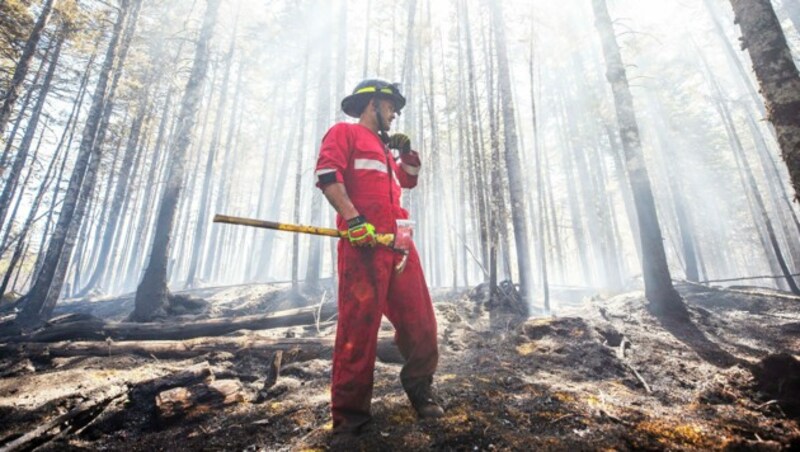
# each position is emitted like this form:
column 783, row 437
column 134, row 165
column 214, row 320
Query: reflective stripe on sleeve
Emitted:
column 410, row 170
column 324, row 171
column 369, row 164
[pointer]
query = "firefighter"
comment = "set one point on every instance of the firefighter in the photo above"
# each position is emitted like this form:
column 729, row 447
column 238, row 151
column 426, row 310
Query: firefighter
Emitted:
column 362, row 180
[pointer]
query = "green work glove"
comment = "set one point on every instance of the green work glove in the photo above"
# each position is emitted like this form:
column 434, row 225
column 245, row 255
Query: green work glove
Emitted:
column 401, row 142
column 359, row 232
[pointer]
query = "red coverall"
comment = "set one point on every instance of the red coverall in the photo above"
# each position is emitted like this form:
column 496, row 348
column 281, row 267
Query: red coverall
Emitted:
column 368, row 286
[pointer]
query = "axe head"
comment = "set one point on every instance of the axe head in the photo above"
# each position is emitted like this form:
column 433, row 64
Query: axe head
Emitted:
column 404, row 237
column 403, row 240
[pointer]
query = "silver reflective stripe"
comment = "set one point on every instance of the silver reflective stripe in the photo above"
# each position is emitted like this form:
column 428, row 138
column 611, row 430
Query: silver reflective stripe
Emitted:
column 325, row 171
column 369, row 164
column 411, row 170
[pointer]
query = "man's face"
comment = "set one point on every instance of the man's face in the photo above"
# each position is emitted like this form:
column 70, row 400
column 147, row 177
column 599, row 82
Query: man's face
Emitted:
column 386, row 109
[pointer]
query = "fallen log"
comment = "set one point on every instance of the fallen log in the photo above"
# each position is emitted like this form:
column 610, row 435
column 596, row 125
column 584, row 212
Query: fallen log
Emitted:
column 292, row 349
column 300, row 349
column 94, row 328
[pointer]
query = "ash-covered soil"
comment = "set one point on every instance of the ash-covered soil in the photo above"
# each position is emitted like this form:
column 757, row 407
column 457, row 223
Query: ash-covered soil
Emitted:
column 605, row 375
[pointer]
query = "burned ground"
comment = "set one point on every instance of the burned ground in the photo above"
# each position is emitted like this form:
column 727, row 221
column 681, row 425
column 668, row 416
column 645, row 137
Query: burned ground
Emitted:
column 605, row 374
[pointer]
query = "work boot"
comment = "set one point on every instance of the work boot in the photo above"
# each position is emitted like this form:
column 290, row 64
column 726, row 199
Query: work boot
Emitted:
column 420, row 393
column 343, row 440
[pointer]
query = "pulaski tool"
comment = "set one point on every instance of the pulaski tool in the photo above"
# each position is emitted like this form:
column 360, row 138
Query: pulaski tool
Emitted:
column 400, row 242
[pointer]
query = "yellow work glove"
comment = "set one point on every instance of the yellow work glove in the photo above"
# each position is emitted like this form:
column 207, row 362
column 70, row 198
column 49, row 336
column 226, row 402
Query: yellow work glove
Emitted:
column 360, row 232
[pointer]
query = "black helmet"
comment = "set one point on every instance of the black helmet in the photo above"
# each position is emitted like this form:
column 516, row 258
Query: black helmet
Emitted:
column 355, row 103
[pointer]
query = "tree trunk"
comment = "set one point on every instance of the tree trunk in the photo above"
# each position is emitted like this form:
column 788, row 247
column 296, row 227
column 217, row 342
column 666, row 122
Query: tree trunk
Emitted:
column 540, row 187
column 658, row 285
column 777, row 76
column 99, row 223
column 66, row 140
column 152, row 292
column 24, row 63
column 673, row 177
column 214, row 254
column 92, row 171
column 34, row 302
column 26, row 227
column 208, row 182
column 119, row 194
column 30, row 131
column 300, row 163
column 21, row 115
column 314, row 264
column 144, row 216
column 475, row 167
column 749, row 181
column 512, row 160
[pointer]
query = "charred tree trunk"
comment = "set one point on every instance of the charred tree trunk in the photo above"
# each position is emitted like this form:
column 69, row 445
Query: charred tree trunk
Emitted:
column 152, row 292
column 658, row 285
column 24, row 63
column 777, row 76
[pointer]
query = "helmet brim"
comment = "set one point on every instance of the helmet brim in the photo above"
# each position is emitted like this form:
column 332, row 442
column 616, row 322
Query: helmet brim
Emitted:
column 354, row 104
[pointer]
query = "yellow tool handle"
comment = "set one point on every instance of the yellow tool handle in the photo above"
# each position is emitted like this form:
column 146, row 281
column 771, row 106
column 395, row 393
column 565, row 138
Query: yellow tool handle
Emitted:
column 383, row 239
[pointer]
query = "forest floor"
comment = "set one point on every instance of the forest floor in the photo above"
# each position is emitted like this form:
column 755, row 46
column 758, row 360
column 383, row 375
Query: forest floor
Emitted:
column 604, row 374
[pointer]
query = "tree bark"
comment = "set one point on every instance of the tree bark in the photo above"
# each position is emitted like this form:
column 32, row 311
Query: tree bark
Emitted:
column 152, row 292
column 658, row 285
column 777, row 76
